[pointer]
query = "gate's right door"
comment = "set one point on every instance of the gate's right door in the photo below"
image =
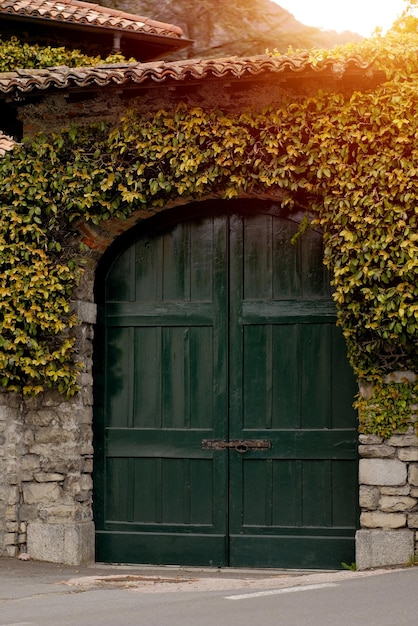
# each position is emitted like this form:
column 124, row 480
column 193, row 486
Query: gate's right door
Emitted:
column 294, row 504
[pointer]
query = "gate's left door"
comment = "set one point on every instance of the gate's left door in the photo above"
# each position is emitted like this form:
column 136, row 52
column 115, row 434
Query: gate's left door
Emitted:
column 160, row 498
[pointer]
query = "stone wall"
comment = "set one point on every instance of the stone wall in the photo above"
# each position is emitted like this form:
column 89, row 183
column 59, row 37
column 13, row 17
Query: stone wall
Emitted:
column 388, row 478
column 12, row 528
column 46, row 464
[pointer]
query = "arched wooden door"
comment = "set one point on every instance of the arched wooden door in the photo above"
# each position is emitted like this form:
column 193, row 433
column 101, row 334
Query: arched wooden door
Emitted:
column 225, row 433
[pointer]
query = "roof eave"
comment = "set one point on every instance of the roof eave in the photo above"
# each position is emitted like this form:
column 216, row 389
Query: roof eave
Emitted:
column 165, row 42
column 355, row 74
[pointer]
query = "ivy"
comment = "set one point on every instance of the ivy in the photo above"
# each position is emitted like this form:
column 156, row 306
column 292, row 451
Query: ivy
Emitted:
column 14, row 55
column 388, row 408
column 350, row 161
column 36, row 352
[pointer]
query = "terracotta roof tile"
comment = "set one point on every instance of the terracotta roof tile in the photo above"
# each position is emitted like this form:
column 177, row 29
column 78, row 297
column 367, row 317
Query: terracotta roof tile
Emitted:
column 124, row 74
column 77, row 12
column 6, row 143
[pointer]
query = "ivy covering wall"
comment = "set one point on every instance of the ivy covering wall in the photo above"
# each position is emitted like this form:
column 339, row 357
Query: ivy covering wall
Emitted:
column 15, row 55
column 351, row 161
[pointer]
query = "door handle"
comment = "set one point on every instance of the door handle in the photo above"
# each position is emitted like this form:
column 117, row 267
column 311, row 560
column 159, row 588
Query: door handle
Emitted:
column 240, row 445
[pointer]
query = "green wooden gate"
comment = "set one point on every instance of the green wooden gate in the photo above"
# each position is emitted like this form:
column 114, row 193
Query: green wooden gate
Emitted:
column 225, row 433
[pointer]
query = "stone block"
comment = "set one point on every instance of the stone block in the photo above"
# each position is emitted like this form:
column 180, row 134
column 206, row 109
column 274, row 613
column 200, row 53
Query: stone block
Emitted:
column 53, row 435
column 28, row 512
column 58, row 513
column 401, row 377
column 52, row 398
column 69, row 544
column 404, row 490
column 383, row 548
column 403, row 441
column 30, row 462
column 41, row 418
column 396, row 504
column 413, row 520
column 10, row 539
column 11, row 513
column 369, row 497
column 378, row 519
column 386, row 472
column 13, row 496
column 365, row 389
column 413, row 474
column 35, row 493
column 376, row 451
column 370, row 439
column 408, row 454
column 45, row 477
column 86, row 311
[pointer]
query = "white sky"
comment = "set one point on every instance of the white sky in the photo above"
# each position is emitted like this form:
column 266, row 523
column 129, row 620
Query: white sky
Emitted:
column 360, row 16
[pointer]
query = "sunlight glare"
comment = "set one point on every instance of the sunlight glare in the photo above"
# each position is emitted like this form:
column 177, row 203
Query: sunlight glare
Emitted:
column 359, row 16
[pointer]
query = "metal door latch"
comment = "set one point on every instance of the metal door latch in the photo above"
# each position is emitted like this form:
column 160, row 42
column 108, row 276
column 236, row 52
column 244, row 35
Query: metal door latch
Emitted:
column 240, row 445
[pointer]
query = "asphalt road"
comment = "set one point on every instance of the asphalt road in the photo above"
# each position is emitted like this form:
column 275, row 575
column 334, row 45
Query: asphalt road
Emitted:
column 126, row 597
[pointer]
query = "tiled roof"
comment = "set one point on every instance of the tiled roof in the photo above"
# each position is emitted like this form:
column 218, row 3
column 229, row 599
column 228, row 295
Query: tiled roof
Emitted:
column 28, row 81
column 6, row 143
column 87, row 14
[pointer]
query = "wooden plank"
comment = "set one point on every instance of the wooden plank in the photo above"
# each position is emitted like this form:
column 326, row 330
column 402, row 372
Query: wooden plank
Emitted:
column 175, row 388
column 302, row 551
column 147, row 390
column 145, row 496
column 344, row 385
column 175, row 268
column 287, row 381
column 201, row 263
column 288, row 311
column 257, row 490
column 160, row 548
column 286, row 261
column 146, row 264
column 120, row 283
column 117, row 490
column 119, row 373
column 257, row 377
column 314, row 275
column 203, row 373
column 305, row 444
column 316, row 492
column 316, row 376
column 257, row 257
column 287, row 496
column 344, row 498
column 162, row 314
column 170, row 443
column 202, row 482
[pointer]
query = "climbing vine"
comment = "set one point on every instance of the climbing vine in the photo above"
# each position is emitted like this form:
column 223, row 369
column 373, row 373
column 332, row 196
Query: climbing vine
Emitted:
column 351, row 161
column 15, row 55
